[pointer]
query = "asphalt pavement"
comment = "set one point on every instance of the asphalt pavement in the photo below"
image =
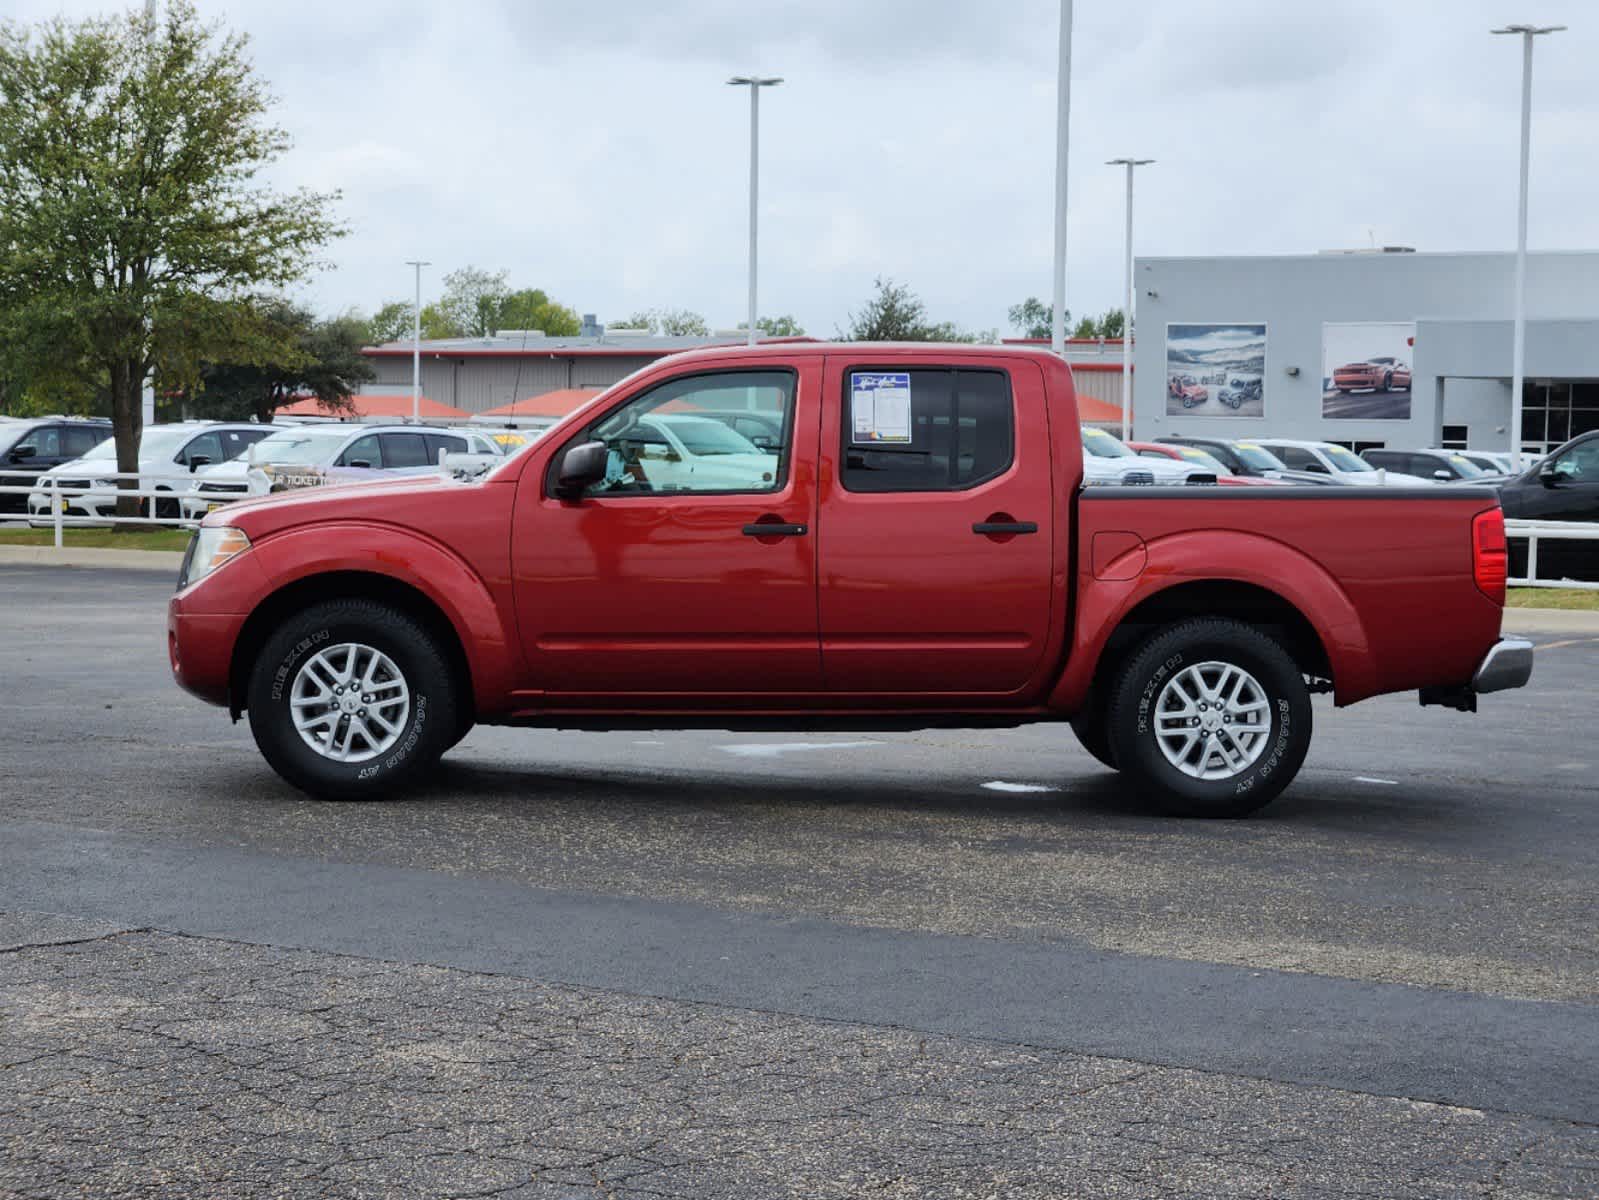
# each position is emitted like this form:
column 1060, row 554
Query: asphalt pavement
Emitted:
column 707, row 964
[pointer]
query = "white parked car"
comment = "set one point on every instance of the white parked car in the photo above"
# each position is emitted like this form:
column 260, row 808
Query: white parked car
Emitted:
column 1337, row 463
column 164, row 450
column 670, row 452
column 1107, row 458
column 300, row 455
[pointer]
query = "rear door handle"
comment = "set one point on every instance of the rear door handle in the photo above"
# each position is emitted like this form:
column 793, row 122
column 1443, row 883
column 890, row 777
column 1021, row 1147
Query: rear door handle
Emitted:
column 775, row 530
column 989, row 527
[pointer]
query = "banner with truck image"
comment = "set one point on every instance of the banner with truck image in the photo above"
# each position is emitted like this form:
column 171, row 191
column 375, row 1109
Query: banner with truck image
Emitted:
column 1365, row 370
column 1216, row 370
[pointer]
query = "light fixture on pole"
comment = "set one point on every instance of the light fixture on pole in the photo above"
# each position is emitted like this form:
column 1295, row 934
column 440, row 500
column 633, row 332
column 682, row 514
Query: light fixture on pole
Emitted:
column 1519, row 333
column 755, row 83
column 1127, row 306
column 416, row 342
column 1063, row 122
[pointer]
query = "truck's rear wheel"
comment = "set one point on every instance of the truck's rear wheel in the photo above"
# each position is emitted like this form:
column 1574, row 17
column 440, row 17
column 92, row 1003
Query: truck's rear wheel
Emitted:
column 1211, row 718
column 351, row 700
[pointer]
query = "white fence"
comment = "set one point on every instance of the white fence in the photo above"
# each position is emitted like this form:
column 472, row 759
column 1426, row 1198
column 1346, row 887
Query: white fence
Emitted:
column 159, row 494
column 1561, row 531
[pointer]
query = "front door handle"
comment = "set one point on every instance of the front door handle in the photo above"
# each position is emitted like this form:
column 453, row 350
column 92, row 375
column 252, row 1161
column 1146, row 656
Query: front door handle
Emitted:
column 774, row 529
column 993, row 527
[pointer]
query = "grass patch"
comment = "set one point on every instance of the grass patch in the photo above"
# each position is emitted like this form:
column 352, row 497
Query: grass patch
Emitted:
column 100, row 539
column 1579, row 598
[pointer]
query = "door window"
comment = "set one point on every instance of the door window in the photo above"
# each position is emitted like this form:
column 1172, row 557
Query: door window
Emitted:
column 364, row 450
column 656, row 444
column 207, row 446
column 236, row 441
column 1298, row 458
column 938, row 431
column 78, row 441
column 45, row 442
column 442, row 443
column 1580, row 464
column 403, row 450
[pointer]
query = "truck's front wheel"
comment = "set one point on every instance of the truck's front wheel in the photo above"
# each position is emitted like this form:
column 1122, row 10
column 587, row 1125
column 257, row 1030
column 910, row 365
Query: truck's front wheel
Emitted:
column 1210, row 718
column 351, row 700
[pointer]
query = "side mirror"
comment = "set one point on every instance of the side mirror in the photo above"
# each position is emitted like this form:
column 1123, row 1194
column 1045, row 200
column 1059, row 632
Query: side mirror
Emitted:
column 196, row 461
column 1442, row 476
column 364, row 464
column 23, row 453
column 1319, row 468
column 581, row 467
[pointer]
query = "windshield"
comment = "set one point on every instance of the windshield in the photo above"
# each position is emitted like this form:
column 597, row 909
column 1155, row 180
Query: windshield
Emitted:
column 702, row 436
column 1101, row 445
column 1466, row 468
column 300, row 447
column 1258, row 457
column 1345, row 461
column 156, row 443
column 1195, row 455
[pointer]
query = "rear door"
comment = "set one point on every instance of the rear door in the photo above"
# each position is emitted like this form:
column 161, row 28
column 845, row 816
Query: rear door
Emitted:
column 935, row 527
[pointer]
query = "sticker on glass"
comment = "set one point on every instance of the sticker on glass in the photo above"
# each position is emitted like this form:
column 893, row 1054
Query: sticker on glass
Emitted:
column 880, row 406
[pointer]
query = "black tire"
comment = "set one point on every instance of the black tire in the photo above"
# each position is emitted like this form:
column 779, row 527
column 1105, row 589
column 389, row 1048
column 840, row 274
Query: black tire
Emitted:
column 432, row 721
column 1089, row 726
column 1387, row 384
column 1141, row 684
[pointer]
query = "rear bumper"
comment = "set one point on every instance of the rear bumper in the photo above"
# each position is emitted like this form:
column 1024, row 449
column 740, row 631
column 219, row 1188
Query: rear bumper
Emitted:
column 1507, row 665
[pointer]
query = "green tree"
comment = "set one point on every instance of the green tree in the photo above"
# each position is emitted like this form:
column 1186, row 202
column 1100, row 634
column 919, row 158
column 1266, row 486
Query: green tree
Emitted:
column 391, row 323
column 130, row 215
column 897, row 314
column 295, row 355
column 669, row 322
column 776, row 327
column 1112, row 323
column 1086, row 328
column 530, row 308
column 1032, row 318
column 472, row 301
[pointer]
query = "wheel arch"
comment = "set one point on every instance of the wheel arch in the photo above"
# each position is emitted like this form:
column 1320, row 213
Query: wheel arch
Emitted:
column 1229, row 599
column 308, row 590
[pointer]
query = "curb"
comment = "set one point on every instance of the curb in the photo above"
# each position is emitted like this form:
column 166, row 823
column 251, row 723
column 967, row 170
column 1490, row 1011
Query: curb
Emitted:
column 166, row 561
column 1550, row 620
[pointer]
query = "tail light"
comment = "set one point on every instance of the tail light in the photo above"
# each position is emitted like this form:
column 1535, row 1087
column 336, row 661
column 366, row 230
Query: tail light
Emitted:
column 1490, row 559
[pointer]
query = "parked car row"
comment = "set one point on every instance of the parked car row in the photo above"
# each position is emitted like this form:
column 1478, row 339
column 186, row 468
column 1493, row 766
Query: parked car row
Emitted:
column 72, row 462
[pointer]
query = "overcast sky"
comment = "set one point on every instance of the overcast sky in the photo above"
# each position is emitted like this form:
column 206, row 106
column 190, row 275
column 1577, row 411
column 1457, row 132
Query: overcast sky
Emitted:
column 593, row 149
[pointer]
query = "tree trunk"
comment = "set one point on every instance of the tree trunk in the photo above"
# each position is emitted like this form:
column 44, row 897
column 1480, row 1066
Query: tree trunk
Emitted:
column 127, row 426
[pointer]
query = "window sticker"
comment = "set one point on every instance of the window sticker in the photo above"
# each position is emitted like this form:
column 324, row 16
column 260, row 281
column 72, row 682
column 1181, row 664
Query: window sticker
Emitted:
column 880, row 406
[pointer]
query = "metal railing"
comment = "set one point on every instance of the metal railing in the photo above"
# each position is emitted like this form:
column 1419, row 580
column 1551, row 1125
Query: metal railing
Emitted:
column 1553, row 531
column 147, row 487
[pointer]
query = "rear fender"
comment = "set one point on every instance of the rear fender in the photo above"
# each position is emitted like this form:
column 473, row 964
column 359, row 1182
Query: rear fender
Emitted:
column 1213, row 556
column 493, row 654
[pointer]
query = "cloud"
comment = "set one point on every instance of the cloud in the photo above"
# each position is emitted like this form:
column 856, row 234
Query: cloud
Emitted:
column 595, row 151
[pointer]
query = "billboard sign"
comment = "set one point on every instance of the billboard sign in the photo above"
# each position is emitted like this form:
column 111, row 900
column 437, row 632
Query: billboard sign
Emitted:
column 1365, row 370
column 1216, row 370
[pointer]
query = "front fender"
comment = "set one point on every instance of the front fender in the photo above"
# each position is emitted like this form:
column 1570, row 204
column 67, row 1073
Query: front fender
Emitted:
column 1222, row 557
column 467, row 600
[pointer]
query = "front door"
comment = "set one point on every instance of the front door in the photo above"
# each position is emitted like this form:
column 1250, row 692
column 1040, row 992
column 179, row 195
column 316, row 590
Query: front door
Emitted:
column 690, row 570
column 936, row 527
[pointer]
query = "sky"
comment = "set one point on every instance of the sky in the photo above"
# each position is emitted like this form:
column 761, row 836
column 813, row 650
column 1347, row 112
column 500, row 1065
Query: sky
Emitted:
column 594, row 150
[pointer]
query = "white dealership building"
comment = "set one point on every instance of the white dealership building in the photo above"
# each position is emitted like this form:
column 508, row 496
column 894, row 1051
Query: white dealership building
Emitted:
column 1368, row 348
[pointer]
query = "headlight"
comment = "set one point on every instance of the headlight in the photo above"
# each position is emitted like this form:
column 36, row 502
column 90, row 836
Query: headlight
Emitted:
column 213, row 545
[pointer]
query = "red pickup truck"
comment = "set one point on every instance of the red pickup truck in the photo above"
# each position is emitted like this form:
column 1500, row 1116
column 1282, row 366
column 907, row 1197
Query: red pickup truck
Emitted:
column 915, row 550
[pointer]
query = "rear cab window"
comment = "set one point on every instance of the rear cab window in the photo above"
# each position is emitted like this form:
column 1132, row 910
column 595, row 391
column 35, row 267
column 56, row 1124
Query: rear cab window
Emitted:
column 928, row 429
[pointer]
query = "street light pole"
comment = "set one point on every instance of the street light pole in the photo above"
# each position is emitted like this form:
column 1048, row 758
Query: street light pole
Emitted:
column 1127, row 307
column 1063, row 121
column 755, row 83
column 416, row 342
column 1519, row 333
